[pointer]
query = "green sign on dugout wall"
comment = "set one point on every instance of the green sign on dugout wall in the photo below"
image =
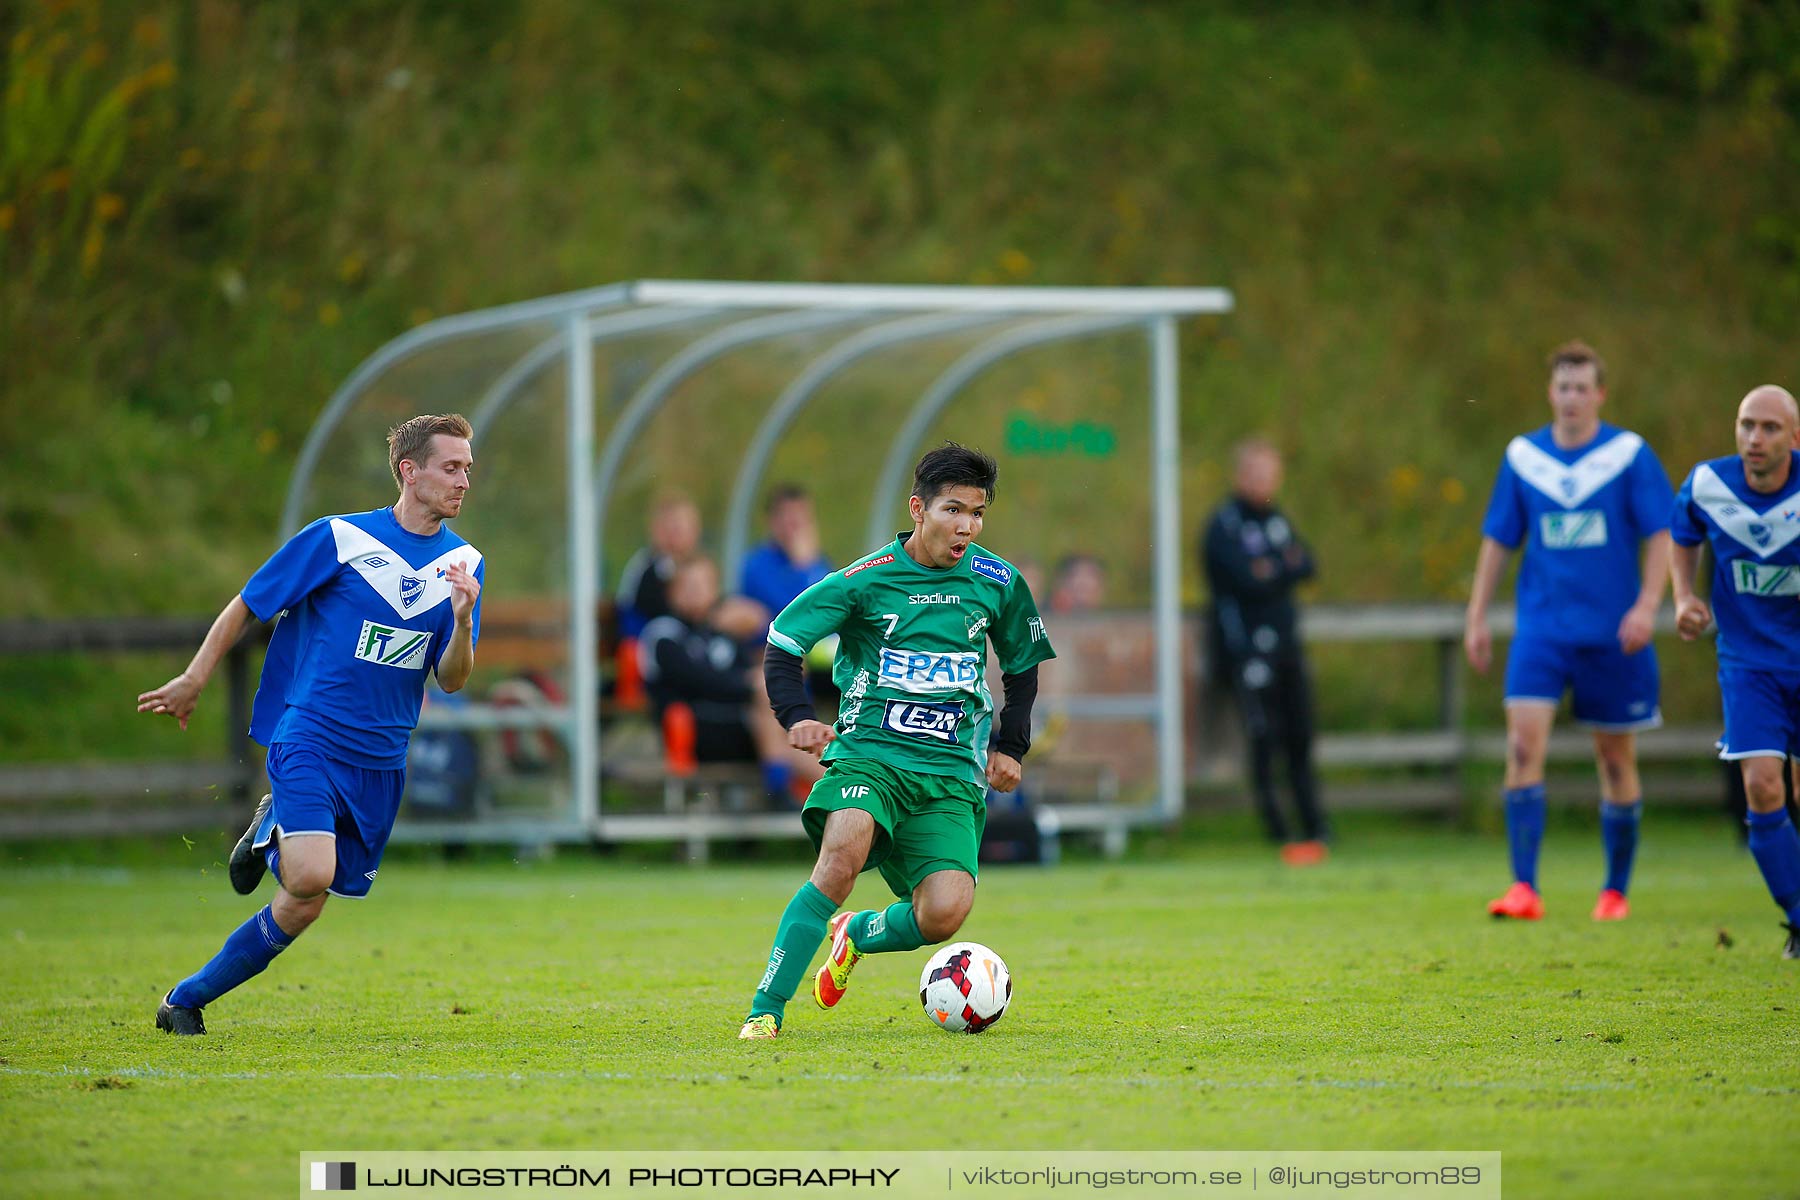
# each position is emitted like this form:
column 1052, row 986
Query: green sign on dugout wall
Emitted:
column 1028, row 436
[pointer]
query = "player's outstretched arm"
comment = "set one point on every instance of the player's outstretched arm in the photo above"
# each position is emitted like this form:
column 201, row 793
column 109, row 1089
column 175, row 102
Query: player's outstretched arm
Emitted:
column 458, row 662
column 1692, row 615
column 1478, row 642
column 178, row 697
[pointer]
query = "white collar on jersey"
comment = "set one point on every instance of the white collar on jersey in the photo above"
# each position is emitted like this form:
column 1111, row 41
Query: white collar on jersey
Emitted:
column 410, row 592
column 1570, row 485
column 1761, row 533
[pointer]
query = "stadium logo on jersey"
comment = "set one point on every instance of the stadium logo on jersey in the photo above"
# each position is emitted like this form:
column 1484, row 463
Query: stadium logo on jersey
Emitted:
column 922, row 671
column 1771, row 580
column 932, row 722
column 863, row 566
column 934, row 598
column 993, row 568
column 1577, row 529
column 411, row 589
column 391, row 647
column 1570, row 485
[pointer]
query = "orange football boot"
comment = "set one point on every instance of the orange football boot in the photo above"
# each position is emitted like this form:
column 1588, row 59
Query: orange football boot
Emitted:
column 833, row 978
column 1304, row 854
column 1612, row 906
column 1520, row 902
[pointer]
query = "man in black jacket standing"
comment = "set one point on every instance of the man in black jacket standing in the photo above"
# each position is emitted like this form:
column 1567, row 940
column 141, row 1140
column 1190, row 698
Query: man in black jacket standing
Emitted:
column 1253, row 561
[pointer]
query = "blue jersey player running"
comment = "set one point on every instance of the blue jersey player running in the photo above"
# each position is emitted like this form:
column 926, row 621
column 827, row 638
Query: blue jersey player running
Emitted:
column 369, row 602
column 1581, row 496
column 1747, row 509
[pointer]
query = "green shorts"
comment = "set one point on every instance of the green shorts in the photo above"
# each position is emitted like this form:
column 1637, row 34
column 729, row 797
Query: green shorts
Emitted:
column 923, row 823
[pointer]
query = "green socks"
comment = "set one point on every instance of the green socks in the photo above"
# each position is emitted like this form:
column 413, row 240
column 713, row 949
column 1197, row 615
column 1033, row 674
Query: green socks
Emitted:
column 802, row 928
column 895, row 928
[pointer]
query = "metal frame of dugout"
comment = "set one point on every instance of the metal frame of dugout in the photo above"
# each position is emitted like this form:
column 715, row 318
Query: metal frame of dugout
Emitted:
column 873, row 318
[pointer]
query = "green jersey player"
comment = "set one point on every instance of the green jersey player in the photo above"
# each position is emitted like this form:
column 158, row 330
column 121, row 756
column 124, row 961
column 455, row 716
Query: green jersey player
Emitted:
column 908, row 763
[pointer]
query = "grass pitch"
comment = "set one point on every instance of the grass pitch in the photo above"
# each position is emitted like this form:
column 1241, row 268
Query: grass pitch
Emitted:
column 1204, row 998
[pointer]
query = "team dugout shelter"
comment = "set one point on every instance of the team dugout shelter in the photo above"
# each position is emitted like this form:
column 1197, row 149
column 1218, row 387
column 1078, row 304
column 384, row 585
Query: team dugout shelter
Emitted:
column 588, row 407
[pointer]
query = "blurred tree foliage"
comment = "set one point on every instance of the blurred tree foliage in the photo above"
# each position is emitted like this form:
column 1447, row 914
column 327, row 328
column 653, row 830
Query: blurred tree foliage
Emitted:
column 211, row 210
column 1743, row 52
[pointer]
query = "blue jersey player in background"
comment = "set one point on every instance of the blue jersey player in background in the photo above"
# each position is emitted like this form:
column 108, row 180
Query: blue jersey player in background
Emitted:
column 368, row 602
column 1581, row 496
column 1747, row 509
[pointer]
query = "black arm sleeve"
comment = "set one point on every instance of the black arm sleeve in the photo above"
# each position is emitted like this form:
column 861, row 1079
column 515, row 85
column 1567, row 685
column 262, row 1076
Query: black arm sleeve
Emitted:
column 1013, row 737
column 784, row 675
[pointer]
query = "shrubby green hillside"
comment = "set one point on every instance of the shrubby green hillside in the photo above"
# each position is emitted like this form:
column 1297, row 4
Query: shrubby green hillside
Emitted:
column 211, row 210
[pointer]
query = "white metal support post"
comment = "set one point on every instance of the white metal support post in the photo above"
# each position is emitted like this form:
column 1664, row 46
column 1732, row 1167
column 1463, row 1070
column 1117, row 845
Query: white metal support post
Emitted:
column 584, row 580
column 1165, row 452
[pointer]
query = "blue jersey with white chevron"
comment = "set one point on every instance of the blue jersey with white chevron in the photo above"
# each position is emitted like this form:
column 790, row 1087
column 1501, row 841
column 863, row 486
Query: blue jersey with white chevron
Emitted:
column 365, row 612
column 1581, row 514
column 1755, row 541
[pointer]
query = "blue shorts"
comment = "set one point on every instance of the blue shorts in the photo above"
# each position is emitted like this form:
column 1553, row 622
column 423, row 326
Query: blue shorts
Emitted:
column 1762, row 713
column 316, row 796
column 1614, row 691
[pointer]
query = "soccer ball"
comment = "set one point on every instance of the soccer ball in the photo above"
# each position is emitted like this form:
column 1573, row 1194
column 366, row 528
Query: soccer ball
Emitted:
column 965, row 988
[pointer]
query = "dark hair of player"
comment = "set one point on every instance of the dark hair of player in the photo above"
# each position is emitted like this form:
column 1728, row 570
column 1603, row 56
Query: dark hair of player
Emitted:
column 410, row 439
column 1578, row 354
column 951, row 465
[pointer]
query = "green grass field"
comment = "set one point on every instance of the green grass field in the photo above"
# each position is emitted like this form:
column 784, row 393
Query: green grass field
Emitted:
column 1197, row 997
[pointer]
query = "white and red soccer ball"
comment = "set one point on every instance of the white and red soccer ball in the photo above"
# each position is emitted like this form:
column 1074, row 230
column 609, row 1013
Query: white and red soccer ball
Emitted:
column 965, row 988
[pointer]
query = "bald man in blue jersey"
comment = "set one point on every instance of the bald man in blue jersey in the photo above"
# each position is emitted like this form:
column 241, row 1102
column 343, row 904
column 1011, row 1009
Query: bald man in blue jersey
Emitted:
column 367, row 604
column 1582, row 497
column 1746, row 509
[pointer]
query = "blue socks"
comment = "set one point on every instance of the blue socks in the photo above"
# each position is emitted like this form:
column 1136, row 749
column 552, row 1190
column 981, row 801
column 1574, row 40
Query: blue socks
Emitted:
column 251, row 947
column 1525, row 830
column 1619, row 834
column 1776, row 848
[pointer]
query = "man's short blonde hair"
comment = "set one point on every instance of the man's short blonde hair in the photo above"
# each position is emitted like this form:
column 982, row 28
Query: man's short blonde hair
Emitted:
column 410, row 439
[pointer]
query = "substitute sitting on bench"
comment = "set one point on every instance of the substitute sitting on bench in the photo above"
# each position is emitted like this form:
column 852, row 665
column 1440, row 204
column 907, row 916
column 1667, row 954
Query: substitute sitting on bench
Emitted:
column 700, row 656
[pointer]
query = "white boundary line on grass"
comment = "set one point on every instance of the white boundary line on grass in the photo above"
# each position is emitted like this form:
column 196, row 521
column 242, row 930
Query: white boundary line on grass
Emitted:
column 1150, row 1081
